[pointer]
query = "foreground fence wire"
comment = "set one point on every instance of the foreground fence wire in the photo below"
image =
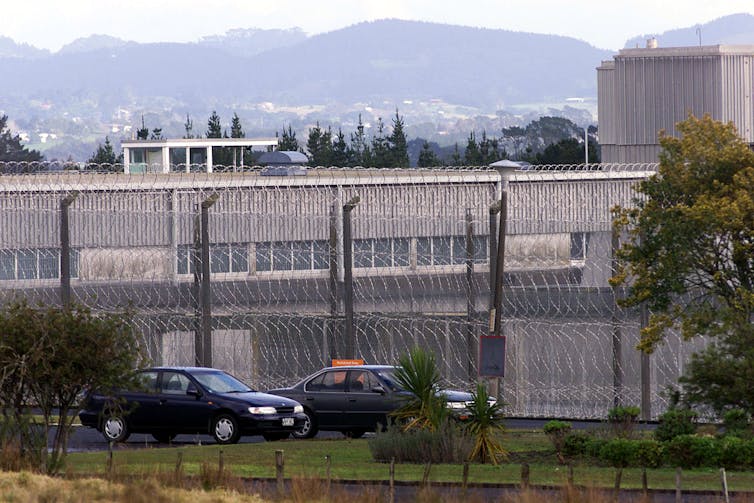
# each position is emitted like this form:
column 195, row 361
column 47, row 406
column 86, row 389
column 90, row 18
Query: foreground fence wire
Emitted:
column 246, row 272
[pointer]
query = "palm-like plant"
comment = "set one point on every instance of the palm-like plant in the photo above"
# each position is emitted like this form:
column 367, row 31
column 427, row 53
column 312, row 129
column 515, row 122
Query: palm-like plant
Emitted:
column 423, row 408
column 485, row 423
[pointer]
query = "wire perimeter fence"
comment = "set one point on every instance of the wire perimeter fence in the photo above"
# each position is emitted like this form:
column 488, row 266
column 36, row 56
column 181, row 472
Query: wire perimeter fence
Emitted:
column 272, row 277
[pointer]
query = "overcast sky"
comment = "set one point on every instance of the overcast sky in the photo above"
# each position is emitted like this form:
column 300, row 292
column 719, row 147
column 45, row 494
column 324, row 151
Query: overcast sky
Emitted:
column 607, row 24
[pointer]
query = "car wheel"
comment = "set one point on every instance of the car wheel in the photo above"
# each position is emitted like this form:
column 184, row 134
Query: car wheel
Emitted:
column 225, row 429
column 115, row 429
column 164, row 438
column 309, row 428
column 273, row 437
column 353, row 433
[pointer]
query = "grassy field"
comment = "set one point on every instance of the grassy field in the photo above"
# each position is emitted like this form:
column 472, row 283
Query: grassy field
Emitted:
column 351, row 460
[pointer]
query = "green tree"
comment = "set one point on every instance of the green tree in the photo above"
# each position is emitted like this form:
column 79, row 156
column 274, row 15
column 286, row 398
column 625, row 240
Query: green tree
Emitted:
column 397, row 144
column 381, row 154
column 52, row 356
column 472, row 156
column 689, row 257
column 11, row 148
column 340, row 154
column 427, row 157
column 105, row 155
column 359, row 152
column 455, row 158
column 214, row 128
column 288, row 141
column 319, row 146
column 143, row 132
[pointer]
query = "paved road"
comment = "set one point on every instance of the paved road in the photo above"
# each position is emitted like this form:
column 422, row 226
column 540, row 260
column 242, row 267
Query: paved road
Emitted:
column 89, row 439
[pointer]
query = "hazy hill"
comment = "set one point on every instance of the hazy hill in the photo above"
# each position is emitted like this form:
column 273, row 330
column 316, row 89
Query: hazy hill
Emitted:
column 383, row 60
column 733, row 29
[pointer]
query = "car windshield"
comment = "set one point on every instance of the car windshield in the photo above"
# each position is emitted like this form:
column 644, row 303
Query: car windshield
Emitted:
column 388, row 376
column 220, row 382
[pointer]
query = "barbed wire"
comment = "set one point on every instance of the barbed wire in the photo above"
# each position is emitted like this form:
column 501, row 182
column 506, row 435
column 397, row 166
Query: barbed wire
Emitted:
column 277, row 270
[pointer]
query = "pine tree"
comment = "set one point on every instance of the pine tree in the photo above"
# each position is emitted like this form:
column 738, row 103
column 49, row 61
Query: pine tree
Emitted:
column 105, row 157
column 381, row 153
column 398, row 144
column 472, row 156
column 236, row 130
column 288, row 142
column 11, row 148
column 427, row 157
column 359, row 152
column 214, row 129
column 319, row 146
column 340, row 154
column 156, row 134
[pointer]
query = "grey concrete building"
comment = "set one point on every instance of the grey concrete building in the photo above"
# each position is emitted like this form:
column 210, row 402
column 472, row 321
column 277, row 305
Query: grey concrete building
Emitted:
column 643, row 91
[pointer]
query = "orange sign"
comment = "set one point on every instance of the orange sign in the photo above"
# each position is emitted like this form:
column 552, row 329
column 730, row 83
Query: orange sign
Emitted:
column 344, row 363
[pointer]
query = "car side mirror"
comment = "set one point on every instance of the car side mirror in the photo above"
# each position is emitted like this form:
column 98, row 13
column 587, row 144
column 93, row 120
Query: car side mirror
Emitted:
column 192, row 390
column 378, row 389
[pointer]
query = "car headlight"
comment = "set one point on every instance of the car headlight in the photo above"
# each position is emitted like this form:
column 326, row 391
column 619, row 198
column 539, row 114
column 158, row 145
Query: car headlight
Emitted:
column 262, row 410
column 298, row 409
column 456, row 405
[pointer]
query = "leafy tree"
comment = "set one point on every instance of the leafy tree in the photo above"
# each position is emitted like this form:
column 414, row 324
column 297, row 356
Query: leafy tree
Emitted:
column 567, row 151
column 105, row 155
column 288, row 142
column 11, row 148
column 689, row 257
column 52, row 356
column 427, row 157
column 143, row 132
column 423, row 408
column 156, row 134
column 398, row 144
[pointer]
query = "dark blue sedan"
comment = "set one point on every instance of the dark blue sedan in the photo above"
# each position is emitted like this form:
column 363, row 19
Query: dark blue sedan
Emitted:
column 173, row 400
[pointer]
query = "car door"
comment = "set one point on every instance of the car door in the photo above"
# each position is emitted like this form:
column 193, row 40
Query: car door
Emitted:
column 325, row 394
column 365, row 404
column 140, row 404
column 179, row 411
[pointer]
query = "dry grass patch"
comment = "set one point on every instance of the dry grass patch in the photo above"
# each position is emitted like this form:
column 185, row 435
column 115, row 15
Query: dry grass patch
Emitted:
column 28, row 487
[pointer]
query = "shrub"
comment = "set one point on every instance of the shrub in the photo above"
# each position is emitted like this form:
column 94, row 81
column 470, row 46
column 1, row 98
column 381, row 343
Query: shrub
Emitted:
column 557, row 431
column 593, row 447
column 575, row 444
column 618, row 452
column 736, row 452
column 675, row 422
column 447, row 444
column 691, row 451
column 648, row 454
column 622, row 420
column 737, row 423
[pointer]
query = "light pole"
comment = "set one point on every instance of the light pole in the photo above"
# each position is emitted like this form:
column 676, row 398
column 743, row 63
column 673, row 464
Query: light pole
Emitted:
column 350, row 342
